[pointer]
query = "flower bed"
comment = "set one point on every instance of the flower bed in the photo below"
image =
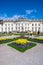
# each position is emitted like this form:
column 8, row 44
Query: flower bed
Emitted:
column 21, row 41
column 2, row 39
column 38, row 40
column 5, row 40
column 22, row 44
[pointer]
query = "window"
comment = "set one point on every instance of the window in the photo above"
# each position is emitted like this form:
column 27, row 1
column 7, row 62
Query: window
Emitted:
column 28, row 28
column 2, row 29
column 16, row 24
column 19, row 28
column 25, row 24
column 32, row 28
column 36, row 29
column 35, row 24
column 6, row 29
column 11, row 24
column 5, row 24
column 16, row 28
column 28, row 24
column 39, row 28
column 42, row 23
column 32, row 24
column 22, row 24
column 42, row 29
column 39, row 24
column 19, row 24
column 12, row 29
column 25, row 28
column 8, row 24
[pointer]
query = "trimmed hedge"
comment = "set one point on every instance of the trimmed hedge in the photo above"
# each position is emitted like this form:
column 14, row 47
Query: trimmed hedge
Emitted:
column 21, row 49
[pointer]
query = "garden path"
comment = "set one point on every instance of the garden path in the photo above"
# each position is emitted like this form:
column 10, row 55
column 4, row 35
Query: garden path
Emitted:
column 10, row 56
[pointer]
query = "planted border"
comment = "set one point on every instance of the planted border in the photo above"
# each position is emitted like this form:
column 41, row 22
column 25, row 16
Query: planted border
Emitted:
column 33, row 40
column 6, row 41
column 22, row 49
column 36, row 40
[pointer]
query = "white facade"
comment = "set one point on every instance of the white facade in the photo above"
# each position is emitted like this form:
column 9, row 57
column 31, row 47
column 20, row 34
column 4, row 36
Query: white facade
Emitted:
column 21, row 25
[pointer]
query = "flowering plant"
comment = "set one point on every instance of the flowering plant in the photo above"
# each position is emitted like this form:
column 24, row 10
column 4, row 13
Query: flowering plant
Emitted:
column 2, row 39
column 21, row 41
column 39, row 38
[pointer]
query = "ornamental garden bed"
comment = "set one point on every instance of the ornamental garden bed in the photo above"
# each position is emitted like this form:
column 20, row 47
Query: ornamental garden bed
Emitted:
column 22, row 44
column 38, row 40
column 5, row 40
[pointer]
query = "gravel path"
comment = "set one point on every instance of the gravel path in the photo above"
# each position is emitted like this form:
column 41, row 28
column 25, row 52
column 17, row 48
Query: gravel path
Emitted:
column 10, row 56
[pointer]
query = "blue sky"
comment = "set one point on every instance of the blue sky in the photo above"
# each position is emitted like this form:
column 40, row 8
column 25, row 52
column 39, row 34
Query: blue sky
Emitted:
column 14, row 9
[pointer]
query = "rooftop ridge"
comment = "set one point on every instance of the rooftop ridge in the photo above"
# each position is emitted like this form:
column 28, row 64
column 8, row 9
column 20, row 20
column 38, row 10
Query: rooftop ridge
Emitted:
column 23, row 19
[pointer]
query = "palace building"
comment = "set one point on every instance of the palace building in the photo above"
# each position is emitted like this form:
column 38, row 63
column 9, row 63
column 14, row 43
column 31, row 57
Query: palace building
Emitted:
column 21, row 25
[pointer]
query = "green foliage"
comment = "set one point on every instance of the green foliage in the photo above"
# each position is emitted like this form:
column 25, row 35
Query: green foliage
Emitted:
column 6, row 41
column 35, row 40
column 22, row 50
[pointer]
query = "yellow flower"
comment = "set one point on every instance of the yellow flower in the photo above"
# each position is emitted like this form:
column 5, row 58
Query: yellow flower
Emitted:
column 40, row 38
column 21, row 41
column 1, row 39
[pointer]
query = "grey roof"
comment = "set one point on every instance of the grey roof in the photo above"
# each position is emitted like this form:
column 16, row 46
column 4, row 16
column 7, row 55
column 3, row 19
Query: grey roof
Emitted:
column 28, row 20
column 23, row 19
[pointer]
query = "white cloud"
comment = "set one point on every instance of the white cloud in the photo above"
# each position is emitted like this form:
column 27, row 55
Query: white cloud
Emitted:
column 14, row 17
column 31, row 11
column 2, row 18
column 17, row 17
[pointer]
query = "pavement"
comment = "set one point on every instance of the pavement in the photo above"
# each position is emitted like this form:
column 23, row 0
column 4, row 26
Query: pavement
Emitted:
column 33, row 36
column 10, row 56
column 12, row 36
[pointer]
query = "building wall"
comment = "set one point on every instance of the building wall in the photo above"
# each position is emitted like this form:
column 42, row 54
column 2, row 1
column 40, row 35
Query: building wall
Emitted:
column 1, row 28
column 9, row 26
column 29, row 26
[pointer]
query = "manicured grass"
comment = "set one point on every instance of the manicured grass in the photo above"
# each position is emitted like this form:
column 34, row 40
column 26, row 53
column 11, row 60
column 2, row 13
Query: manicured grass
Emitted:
column 6, row 41
column 22, row 50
